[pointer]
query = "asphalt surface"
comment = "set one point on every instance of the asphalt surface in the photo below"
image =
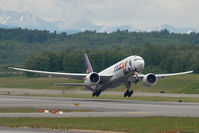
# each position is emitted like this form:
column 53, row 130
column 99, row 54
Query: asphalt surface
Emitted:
column 20, row 91
column 97, row 107
column 31, row 130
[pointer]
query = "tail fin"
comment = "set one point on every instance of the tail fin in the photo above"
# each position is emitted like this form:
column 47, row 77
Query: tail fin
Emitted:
column 88, row 66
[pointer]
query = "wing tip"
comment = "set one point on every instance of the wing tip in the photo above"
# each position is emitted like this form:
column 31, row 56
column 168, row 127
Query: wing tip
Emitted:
column 190, row 71
column 13, row 68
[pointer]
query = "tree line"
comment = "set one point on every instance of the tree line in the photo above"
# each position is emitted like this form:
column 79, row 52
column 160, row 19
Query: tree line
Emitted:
column 158, row 58
column 16, row 45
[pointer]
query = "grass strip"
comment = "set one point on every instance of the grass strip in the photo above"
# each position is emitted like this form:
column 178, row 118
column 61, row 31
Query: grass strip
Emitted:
column 123, row 124
column 187, row 84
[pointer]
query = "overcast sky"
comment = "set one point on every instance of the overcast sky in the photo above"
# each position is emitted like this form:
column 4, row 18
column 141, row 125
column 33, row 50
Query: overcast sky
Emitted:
column 141, row 14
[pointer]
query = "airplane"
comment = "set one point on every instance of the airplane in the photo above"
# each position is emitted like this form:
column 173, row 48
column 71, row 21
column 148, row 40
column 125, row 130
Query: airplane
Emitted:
column 123, row 72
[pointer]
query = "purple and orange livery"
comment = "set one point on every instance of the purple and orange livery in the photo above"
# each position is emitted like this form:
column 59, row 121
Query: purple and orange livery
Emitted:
column 88, row 66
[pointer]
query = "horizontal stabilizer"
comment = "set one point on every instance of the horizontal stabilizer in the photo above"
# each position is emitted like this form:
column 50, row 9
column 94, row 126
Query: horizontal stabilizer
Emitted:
column 71, row 84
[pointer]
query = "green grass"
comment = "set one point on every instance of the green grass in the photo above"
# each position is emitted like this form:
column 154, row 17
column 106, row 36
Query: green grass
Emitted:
column 123, row 124
column 34, row 83
column 179, row 84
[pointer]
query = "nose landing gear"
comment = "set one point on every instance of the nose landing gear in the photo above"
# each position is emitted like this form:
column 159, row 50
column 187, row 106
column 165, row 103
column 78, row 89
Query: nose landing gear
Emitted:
column 128, row 91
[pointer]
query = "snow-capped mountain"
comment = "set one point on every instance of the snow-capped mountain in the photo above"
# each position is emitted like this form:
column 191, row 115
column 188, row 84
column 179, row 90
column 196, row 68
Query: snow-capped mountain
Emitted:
column 173, row 29
column 170, row 28
column 115, row 28
column 12, row 19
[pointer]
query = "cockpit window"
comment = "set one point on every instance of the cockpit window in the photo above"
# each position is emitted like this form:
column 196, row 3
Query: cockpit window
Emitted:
column 138, row 59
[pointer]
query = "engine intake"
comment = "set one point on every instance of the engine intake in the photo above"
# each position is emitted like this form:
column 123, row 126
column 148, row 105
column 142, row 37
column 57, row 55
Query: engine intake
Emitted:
column 92, row 79
column 149, row 80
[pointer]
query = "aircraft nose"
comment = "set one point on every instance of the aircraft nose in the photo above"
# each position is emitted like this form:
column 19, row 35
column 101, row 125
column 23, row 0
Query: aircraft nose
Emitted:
column 139, row 65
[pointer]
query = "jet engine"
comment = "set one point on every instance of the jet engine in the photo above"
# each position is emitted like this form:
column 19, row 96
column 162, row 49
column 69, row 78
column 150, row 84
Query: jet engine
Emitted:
column 92, row 79
column 149, row 80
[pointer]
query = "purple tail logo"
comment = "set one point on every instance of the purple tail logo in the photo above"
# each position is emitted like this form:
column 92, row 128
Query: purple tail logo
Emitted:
column 87, row 64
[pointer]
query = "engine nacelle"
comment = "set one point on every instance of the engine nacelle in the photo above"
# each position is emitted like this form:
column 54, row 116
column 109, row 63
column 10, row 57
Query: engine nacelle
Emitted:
column 92, row 79
column 149, row 80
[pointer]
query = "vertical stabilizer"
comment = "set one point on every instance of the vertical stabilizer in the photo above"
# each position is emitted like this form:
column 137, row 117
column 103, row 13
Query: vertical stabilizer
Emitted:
column 87, row 64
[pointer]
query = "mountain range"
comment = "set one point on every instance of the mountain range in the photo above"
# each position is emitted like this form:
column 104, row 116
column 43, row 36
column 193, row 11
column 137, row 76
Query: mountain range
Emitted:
column 10, row 19
column 13, row 19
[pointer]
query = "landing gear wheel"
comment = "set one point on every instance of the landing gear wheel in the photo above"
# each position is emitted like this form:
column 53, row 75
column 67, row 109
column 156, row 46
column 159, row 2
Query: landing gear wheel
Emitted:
column 93, row 94
column 98, row 93
column 130, row 93
column 126, row 93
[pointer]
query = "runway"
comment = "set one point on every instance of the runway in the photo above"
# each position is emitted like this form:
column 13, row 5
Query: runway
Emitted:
column 97, row 107
column 20, row 91
column 34, row 130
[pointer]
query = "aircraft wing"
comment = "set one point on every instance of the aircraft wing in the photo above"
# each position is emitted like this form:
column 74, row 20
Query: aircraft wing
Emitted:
column 172, row 74
column 68, row 75
column 60, row 74
column 167, row 75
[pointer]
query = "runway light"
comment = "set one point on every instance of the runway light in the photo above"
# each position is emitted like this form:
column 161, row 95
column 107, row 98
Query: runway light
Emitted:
column 41, row 110
column 46, row 111
column 53, row 112
column 76, row 104
column 60, row 112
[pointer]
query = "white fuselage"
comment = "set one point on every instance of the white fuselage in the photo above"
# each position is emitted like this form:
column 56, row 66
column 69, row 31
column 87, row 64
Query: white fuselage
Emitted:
column 122, row 71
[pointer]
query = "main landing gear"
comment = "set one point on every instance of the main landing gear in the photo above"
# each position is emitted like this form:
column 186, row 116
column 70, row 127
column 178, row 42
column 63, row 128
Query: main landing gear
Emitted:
column 96, row 92
column 128, row 91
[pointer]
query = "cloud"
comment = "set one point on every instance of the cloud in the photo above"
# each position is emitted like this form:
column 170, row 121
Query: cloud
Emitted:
column 141, row 14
